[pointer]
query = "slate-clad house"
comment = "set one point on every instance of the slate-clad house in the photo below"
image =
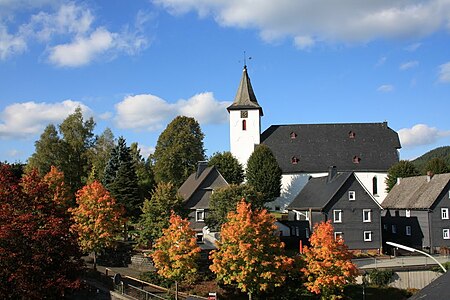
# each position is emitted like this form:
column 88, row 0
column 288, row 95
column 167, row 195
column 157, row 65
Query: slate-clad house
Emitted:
column 417, row 212
column 305, row 150
column 343, row 199
column 197, row 191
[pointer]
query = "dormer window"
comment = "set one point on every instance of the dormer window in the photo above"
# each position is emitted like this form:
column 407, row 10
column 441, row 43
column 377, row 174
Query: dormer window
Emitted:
column 200, row 215
column 356, row 159
column 293, row 135
column 351, row 134
column 295, row 160
column 244, row 125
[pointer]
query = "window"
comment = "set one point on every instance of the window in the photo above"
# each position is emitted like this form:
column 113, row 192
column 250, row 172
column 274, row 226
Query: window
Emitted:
column 375, row 186
column 385, row 227
column 338, row 236
column 367, row 215
column 408, row 230
column 337, row 216
column 444, row 213
column 293, row 135
column 446, row 234
column 351, row 195
column 367, row 236
column 408, row 213
column 394, row 228
column 295, row 160
column 297, row 231
column 199, row 237
column 351, row 134
column 244, row 124
column 307, row 233
column 356, row 159
column 200, row 215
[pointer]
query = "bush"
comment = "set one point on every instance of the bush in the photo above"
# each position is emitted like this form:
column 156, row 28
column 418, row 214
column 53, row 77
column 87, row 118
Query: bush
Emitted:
column 380, row 277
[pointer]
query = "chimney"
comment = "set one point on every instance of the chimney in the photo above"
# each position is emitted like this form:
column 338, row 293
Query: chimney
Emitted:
column 201, row 166
column 398, row 180
column 429, row 175
column 332, row 172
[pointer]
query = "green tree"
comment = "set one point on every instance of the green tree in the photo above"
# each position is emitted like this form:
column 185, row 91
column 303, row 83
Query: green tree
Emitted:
column 250, row 254
column 179, row 148
column 263, row 172
column 101, row 152
column 47, row 151
column 144, row 172
column 225, row 199
column 402, row 169
column 156, row 212
column 176, row 251
column 77, row 140
column 228, row 166
column 436, row 166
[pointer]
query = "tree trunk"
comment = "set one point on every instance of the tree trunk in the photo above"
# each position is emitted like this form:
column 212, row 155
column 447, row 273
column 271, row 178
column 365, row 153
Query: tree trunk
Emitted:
column 176, row 290
column 249, row 296
column 95, row 261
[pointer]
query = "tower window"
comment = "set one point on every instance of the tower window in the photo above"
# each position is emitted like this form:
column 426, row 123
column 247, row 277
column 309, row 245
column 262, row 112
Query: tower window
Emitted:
column 244, row 124
column 295, row 160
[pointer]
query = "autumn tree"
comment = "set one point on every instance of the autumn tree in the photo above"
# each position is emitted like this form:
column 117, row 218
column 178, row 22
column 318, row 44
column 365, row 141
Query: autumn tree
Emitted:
column 97, row 218
column 228, row 165
column 328, row 266
column 402, row 169
column 156, row 212
column 35, row 240
column 250, row 254
column 176, row 251
column 225, row 199
column 263, row 172
column 179, row 148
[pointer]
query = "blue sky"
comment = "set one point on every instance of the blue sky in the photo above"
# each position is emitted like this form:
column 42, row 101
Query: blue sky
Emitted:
column 135, row 65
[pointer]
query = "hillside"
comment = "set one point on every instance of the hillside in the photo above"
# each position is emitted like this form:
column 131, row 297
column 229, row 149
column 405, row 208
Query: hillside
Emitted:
column 441, row 152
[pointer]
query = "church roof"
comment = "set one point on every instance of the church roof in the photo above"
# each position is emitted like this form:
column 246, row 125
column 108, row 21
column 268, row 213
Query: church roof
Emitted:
column 312, row 148
column 319, row 191
column 245, row 97
column 416, row 192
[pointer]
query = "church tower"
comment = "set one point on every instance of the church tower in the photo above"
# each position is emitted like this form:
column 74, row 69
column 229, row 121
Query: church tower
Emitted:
column 245, row 120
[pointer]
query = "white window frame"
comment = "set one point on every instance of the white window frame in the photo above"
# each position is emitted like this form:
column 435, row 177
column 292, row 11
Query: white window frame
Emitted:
column 338, row 234
column 408, row 213
column 408, row 230
column 351, row 196
column 446, row 234
column 369, row 219
column 337, row 216
column 367, row 236
column 444, row 213
column 199, row 215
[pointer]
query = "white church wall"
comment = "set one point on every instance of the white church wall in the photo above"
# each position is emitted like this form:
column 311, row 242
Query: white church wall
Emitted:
column 366, row 179
column 242, row 142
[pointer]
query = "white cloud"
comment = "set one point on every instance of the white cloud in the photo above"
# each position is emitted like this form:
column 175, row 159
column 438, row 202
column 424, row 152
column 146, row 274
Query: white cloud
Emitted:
column 149, row 112
column 413, row 47
column 385, row 88
column 10, row 44
column 327, row 20
column 409, row 65
column 22, row 120
column 304, row 42
column 444, row 73
column 421, row 134
column 83, row 50
column 146, row 150
column 381, row 61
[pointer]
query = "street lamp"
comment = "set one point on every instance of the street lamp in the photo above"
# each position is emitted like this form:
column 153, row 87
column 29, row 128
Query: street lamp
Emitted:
column 415, row 250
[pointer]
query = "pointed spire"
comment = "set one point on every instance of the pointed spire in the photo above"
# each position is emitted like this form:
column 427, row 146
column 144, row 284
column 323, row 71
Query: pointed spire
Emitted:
column 245, row 97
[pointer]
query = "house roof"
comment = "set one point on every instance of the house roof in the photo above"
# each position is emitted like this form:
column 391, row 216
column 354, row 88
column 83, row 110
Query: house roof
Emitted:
column 319, row 191
column 348, row 146
column 436, row 289
column 188, row 188
column 416, row 192
column 245, row 97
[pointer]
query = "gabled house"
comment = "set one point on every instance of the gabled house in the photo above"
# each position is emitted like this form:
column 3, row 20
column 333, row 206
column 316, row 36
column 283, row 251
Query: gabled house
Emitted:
column 307, row 150
column 197, row 191
column 343, row 199
column 417, row 212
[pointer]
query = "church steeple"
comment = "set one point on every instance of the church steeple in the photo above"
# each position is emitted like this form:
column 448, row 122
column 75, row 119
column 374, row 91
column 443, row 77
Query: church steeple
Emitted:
column 245, row 120
column 245, row 97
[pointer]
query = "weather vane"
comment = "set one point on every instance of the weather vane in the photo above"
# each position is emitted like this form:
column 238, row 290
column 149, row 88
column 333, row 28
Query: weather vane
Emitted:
column 245, row 59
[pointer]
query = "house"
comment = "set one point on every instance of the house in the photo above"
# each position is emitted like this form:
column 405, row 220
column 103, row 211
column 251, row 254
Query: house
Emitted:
column 417, row 212
column 197, row 191
column 343, row 199
column 307, row 150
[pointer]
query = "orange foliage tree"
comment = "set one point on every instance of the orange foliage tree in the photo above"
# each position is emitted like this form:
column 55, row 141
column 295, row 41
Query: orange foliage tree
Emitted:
column 328, row 266
column 97, row 219
column 176, row 251
column 250, row 254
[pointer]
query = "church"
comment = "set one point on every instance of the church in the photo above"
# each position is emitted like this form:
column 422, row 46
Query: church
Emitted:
column 305, row 151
